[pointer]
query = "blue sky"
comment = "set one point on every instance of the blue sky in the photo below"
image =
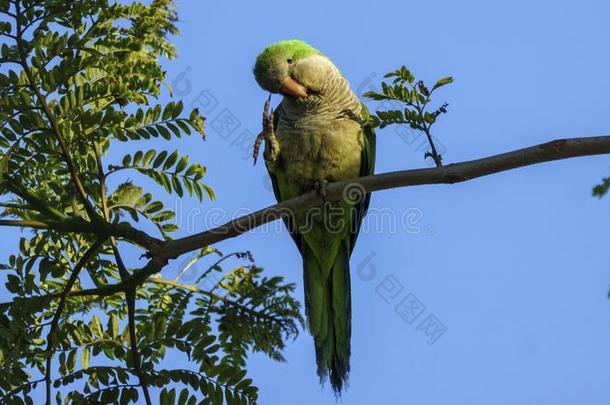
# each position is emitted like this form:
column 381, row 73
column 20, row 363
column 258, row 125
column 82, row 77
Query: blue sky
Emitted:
column 513, row 267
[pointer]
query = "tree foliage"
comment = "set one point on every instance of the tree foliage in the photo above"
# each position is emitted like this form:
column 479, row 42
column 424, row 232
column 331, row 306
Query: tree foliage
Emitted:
column 416, row 97
column 602, row 188
column 405, row 90
column 78, row 325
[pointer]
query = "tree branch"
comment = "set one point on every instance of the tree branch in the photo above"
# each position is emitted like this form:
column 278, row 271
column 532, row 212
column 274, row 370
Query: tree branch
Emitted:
column 35, row 201
column 193, row 288
column 24, row 223
column 449, row 174
column 60, row 307
column 130, row 296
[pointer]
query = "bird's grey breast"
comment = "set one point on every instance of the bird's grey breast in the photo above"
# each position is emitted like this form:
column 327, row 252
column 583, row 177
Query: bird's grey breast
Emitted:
column 319, row 140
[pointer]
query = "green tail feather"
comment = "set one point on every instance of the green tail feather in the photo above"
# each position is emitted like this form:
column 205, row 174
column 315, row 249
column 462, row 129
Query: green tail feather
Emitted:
column 328, row 310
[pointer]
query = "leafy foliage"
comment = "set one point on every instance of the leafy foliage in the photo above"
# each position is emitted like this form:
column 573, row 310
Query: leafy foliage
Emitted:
column 249, row 311
column 132, row 200
column 78, row 325
column 602, row 189
column 169, row 172
column 416, row 97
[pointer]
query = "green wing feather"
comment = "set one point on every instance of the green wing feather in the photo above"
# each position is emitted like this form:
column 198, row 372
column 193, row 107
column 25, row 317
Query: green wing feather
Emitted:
column 288, row 221
column 367, row 168
column 326, row 272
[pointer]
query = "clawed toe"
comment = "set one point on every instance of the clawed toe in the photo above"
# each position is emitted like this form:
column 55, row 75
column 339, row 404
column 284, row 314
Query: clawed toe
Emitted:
column 321, row 187
column 267, row 135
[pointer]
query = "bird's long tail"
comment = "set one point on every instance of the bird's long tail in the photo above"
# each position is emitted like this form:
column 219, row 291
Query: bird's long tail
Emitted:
column 328, row 310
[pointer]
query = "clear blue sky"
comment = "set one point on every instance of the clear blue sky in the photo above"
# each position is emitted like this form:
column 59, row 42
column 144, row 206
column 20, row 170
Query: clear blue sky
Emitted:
column 514, row 266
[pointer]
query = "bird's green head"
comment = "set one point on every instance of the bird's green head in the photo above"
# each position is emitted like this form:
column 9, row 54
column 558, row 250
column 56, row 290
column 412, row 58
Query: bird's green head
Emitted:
column 293, row 68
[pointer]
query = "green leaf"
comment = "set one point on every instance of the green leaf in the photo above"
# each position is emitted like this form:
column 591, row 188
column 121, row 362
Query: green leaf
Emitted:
column 177, row 186
column 96, row 326
column 137, row 157
column 168, row 397
column 148, row 156
column 602, row 189
column 71, row 361
column 84, row 360
column 168, row 112
column 113, row 326
column 218, row 395
column 182, row 164
column 184, row 396
column 154, row 207
column 13, row 284
column 159, row 159
column 170, row 160
column 164, row 132
column 442, row 82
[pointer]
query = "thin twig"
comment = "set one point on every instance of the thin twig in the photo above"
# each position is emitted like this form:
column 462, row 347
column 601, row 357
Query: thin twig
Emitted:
column 93, row 216
column 448, row 174
column 24, row 224
column 130, row 295
column 60, row 307
column 130, row 292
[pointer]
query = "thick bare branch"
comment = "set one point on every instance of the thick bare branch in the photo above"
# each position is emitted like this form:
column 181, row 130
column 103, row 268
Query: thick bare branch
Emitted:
column 161, row 252
column 449, row 174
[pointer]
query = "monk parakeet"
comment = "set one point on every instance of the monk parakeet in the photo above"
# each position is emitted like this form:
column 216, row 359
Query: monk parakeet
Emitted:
column 319, row 133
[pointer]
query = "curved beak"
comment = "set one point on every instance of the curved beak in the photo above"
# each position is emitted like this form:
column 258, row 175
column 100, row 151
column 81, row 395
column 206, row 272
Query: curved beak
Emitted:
column 292, row 88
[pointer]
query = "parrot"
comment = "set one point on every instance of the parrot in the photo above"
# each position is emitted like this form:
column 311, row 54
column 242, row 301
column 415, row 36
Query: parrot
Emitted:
column 319, row 133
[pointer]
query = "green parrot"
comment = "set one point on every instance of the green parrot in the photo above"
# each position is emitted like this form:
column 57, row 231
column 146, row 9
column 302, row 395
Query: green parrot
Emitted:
column 319, row 133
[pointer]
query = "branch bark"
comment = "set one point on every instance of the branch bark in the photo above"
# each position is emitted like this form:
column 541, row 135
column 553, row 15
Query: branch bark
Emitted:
column 160, row 252
column 24, row 224
column 448, row 174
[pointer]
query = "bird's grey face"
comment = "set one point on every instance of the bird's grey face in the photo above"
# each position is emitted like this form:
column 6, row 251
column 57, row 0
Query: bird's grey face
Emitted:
column 271, row 69
column 292, row 72
column 313, row 73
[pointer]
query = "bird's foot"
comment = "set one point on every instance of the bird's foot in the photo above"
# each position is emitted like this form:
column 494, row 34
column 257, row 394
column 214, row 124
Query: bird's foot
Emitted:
column 272, row 146
column 321, row 187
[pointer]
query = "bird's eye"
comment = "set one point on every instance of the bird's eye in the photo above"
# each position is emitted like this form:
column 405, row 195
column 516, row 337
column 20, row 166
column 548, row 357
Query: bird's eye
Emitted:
column 290, row 61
